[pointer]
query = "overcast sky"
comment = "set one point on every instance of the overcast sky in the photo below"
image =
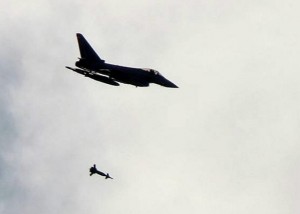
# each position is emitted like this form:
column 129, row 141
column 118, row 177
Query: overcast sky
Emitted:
column 227, row 141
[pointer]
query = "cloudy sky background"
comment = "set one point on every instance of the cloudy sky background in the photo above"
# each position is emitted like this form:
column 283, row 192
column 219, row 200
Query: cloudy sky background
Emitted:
column 227, row 141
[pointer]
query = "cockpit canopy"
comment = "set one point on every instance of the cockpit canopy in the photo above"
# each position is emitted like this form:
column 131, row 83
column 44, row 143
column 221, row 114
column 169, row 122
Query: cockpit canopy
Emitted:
column 152, row 71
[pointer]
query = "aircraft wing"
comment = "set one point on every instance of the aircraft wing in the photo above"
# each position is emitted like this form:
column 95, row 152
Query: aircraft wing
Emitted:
column 86, row 51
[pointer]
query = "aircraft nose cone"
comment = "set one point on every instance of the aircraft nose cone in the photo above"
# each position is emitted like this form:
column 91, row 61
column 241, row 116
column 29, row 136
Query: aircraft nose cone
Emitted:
column 171, row 85
column 167, row 83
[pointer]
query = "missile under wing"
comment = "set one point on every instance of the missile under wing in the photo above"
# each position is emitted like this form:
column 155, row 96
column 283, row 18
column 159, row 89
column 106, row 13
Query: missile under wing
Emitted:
column 92, row 66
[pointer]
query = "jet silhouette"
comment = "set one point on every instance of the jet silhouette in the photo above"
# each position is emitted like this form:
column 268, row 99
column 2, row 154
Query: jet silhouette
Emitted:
column 94, row 170
column 92, row 66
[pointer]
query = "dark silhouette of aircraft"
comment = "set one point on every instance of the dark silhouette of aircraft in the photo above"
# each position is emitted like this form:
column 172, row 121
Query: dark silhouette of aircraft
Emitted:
column 92, row 66
column 94, row 170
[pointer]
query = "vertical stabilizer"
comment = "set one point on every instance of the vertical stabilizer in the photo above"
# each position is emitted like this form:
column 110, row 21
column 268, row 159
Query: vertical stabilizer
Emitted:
column 86, row 51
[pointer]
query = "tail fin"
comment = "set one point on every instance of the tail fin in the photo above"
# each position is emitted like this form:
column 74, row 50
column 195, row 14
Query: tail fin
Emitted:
column 86, row 51
column 93, row 170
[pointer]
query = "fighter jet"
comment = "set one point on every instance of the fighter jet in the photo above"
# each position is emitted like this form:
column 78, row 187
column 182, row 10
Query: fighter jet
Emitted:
column 94, row 170
column 92, row 66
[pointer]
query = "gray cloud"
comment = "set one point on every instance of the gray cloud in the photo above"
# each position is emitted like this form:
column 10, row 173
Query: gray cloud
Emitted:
column 225, row 142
